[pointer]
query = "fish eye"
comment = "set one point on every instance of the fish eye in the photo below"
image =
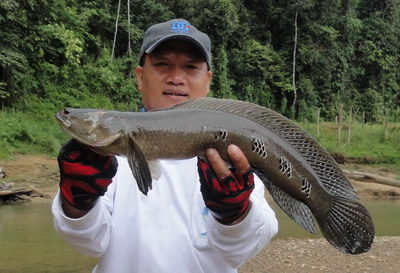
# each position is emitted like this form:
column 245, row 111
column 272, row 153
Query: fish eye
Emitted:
column 66, row 111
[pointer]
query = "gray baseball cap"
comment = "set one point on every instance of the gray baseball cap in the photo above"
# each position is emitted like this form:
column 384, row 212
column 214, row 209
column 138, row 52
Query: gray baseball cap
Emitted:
column 175, row 29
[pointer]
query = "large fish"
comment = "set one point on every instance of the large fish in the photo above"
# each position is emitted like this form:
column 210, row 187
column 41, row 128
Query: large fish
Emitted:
column 303, row 179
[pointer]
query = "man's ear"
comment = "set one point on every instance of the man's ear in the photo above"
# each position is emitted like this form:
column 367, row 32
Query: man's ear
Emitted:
column 209, row 76
column 139, row 74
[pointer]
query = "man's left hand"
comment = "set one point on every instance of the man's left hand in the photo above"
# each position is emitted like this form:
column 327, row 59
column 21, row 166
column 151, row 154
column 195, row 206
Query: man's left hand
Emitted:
column 226, row 192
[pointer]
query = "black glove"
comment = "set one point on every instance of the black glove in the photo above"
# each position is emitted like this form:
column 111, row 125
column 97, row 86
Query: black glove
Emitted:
column 84, row 174
column 229, row 198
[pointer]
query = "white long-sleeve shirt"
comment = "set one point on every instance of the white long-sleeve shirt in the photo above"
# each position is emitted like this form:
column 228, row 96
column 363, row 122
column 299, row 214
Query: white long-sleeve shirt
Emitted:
column 169, row 230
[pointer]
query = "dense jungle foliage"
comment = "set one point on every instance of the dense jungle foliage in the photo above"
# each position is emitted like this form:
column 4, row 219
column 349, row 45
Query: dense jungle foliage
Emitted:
column 293, row 56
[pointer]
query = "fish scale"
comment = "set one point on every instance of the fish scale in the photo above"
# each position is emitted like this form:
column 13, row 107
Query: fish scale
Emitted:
column 301, row 176
column 276, row 123
column 285, row 129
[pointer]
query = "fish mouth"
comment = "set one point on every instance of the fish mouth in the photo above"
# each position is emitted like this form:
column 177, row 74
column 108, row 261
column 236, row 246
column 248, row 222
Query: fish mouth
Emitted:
column 63, row 120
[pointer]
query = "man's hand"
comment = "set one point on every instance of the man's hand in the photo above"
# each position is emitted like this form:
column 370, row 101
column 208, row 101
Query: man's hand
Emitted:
column 84, row 174
column 226, row 192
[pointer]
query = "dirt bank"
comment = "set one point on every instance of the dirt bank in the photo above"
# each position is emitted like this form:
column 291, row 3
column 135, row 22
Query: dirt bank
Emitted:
column 32, row 170
column 42, row 172
column 316, row 255
column 282, row 255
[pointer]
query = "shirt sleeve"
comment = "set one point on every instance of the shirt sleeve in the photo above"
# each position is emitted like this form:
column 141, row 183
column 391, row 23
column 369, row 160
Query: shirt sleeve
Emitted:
column 89, row 234
column 241, row 242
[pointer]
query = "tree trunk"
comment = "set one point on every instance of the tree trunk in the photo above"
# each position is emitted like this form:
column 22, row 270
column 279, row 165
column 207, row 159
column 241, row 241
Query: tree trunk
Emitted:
column 339, row 129
column 294, row 61
column 318, row 116
column 386, row 122
column 349, row 130
column 116, row 30
column 129, row 29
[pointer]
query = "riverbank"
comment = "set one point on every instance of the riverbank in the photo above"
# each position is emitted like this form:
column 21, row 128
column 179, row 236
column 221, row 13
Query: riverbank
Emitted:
column 317, row 255
column 282, row 255
column 41, row 171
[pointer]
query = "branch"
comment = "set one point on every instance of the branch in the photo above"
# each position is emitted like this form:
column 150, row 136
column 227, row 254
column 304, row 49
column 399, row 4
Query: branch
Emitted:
column 372, row 178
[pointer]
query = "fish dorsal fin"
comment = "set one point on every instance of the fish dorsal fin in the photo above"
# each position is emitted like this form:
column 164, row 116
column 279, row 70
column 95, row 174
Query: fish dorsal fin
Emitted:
column 296, row 210
column 139, row 166
column 329, row 173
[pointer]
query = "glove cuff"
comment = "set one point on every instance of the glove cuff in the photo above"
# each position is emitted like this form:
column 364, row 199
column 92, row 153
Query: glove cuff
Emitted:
column 78, row 194
column 229, row 216
column 83, row 202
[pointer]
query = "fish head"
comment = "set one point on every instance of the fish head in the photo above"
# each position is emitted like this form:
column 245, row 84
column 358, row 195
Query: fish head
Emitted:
column 92, row 127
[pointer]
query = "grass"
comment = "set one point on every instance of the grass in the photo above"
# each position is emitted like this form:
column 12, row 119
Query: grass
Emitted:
column 32, row 134
column 28, row 134
column 368, row 142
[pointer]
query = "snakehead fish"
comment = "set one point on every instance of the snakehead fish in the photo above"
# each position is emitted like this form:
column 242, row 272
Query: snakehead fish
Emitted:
column 303, row 179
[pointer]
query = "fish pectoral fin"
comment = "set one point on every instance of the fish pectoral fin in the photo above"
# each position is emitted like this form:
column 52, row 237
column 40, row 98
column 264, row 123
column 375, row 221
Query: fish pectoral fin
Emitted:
column 296, row 210
column 155, row 169
column 139, row 166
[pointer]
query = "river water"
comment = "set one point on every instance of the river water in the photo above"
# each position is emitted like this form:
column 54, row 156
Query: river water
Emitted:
column 29, row 243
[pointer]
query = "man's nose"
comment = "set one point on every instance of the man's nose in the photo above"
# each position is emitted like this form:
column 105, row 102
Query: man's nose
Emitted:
column 176, row 75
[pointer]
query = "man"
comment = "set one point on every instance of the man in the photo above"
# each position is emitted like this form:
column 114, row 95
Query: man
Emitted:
column 200, row 215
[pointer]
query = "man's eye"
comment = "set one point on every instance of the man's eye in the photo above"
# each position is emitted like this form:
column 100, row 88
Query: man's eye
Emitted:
column 160, row 64
column 191, row 66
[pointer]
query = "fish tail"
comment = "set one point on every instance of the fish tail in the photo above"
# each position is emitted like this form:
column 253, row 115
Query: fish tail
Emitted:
column 347, row 226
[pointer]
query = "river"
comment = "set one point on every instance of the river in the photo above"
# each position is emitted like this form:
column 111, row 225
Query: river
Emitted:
column 29, row 243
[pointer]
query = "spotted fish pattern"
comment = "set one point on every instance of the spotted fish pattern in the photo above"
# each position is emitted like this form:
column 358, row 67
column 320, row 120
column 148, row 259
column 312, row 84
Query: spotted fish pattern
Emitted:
column 300, row 175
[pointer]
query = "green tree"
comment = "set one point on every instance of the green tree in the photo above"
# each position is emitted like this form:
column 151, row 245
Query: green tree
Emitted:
column 260, row 78
column 56, row 53
column 221, row 83
column 13, row 43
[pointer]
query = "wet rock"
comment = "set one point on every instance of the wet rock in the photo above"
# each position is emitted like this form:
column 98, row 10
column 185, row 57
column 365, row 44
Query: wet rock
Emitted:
column 2, row 172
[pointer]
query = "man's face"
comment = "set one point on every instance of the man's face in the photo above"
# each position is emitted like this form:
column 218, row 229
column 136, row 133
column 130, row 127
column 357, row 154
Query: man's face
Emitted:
column 174, row 72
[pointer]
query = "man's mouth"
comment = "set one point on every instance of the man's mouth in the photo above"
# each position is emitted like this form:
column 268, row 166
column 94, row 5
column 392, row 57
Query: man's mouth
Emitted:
column 175, row 93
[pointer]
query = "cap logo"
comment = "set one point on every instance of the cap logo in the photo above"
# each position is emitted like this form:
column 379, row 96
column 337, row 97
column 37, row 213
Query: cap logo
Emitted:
column 179, row 27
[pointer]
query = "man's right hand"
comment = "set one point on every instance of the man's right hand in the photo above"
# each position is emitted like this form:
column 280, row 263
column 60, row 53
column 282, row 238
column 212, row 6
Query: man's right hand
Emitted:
column 84, row 174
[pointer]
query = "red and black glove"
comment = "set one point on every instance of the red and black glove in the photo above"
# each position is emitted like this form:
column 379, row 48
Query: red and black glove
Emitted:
column 84, row 174
column 228, row 198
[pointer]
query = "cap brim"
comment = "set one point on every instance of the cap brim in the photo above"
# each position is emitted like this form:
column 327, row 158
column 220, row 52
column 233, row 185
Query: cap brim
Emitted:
column 187, row 38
